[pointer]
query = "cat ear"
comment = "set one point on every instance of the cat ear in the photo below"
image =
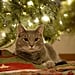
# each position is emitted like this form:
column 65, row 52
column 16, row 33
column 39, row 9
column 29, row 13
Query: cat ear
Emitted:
column 20, row 29
column 40, row 29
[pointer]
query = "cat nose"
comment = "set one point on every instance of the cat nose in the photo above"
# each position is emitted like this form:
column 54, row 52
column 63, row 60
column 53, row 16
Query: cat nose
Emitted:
column 31, row 45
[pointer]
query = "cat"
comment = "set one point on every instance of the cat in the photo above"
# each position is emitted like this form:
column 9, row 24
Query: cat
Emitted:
column 30, row 47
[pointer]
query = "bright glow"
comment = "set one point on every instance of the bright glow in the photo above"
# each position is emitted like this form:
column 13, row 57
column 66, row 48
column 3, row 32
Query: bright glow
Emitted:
column 36, row 20
column 58, row 38
column 42, row 6
column 52, row 0
column 59, row 32
column 24, row 13
column 14, row 25
column 30, row 23
column 69, row 2
column 30, row 3
column 3, row 34
column 8, row 13
column 24, row 6
column 4, row 6
column 12, row 40
column 19, row 2
column 60, row 22
column 45, row 18
column 65, row 15
column 5, row 0
column 4, row 25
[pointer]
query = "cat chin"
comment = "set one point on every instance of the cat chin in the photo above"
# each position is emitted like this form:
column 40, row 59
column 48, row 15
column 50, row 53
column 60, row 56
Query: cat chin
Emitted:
column 31, row 50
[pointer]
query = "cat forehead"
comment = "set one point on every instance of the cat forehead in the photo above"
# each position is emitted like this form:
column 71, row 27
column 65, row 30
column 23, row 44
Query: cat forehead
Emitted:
column 32, row 33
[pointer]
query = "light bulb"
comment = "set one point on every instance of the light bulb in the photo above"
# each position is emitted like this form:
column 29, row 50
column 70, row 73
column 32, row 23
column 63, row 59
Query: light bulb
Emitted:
column 8, row 13
column 30, row 3
column 52, row 0
column 36, row 20
column 60, row 22
column 5, row 0
column 45, row 18
column 24, row 13
column 4, row 25
column 30, row 23
column 3, row 34
column 14, row 25
column 69, row 2
column 65, row 15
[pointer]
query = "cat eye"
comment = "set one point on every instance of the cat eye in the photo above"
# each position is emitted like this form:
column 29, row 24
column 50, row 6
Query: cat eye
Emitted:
column 36, row 39
column 25, row 39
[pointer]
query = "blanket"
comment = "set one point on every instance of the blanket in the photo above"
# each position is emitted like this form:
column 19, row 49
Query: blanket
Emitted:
column 11, row 64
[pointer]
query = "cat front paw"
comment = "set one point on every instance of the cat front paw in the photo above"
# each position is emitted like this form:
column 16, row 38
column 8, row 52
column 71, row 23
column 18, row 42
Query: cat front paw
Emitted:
column 49, row 64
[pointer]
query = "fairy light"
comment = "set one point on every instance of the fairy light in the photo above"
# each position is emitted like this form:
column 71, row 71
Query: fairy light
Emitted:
column 58, row 38
column 42, row 7
column 30, row 3
column 60, row 22
column 5, row 0
column 65, row 15
column 3, row 34
column 69, row 2
column 36, row 20
column 4, row 25
column 45, row 18
column 24, row 13
column 59, row 32
column 19, row 2
column 12, row 40
column 52, row 0
column 14, row 25
column 8, row 13
column 24, row 6
column 30, row 23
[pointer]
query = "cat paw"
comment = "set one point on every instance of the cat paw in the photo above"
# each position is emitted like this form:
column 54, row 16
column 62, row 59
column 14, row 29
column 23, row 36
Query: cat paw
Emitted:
column 49, row 64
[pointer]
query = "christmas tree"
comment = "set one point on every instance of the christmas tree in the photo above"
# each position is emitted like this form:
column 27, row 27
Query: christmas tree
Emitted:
column 56, row 17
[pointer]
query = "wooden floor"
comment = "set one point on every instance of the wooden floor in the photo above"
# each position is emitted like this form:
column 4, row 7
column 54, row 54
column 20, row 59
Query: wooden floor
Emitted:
column 69, row 57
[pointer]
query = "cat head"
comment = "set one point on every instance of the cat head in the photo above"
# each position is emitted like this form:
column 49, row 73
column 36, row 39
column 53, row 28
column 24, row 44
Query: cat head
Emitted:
column 29, row 40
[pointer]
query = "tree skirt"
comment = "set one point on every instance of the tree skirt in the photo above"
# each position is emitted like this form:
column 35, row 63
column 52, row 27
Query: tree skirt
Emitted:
column 11, row 64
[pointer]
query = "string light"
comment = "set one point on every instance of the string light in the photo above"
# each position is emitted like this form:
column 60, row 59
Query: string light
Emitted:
column 42, row 7
column 45, row 18
column 52, row 0
column 60, row 22
column 69, row 2
column 36, row 20
column 30, row 23
column 65, row 15
column 58, row 38
column 59, row 32
column 4, row 25
column 12, row 40
column 5, row 0
column 24, row 6
column 14, row 25
column 19, row 2
column 24, row 13
column 8, row 13
column 3, row 34
column 30, row 3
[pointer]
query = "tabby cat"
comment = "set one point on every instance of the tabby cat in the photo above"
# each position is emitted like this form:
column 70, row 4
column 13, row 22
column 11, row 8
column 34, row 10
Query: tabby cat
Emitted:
column 30, row 47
